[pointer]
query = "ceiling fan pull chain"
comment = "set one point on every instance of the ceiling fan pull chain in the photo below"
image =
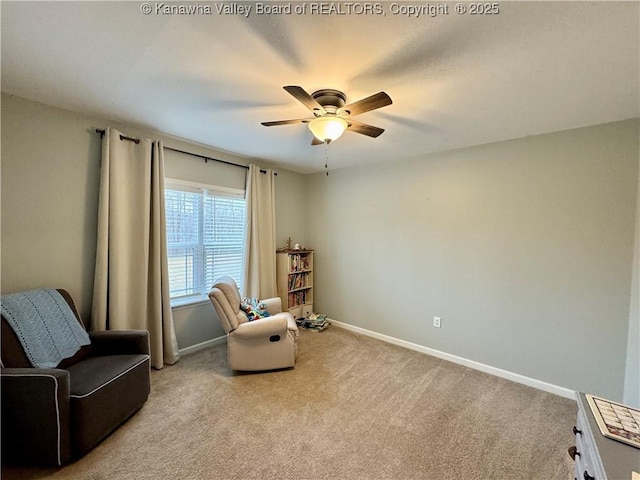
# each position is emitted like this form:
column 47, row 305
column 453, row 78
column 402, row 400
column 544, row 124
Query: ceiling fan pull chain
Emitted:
column 326, row 161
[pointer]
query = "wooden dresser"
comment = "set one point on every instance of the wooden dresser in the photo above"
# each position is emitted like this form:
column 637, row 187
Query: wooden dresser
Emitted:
column 596, row 456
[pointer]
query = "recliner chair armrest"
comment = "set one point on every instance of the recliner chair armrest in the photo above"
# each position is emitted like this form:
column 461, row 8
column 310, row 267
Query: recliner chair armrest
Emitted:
column 273, row 305
column 35, row 415
column 119, row 342
column 264, row 327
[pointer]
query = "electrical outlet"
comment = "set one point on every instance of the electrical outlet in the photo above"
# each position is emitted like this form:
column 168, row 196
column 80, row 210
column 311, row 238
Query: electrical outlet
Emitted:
column 436, row 322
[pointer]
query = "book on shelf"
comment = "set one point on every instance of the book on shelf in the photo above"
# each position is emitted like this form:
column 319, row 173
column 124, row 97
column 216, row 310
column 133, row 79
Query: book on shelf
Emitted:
column 297, row 280
column 297, row 298
column 298, row 262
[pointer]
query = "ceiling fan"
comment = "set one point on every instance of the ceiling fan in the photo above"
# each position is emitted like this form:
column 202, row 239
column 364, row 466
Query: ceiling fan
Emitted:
column 332, row 116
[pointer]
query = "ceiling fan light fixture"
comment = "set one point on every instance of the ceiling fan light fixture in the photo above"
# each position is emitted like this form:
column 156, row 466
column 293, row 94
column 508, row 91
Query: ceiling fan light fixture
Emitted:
column 328, row 128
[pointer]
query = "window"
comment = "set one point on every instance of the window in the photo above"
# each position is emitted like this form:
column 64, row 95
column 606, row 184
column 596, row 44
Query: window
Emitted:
column 205, row 237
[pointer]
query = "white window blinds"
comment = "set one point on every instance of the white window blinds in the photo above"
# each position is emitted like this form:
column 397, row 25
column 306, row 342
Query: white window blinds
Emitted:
column 205, row 236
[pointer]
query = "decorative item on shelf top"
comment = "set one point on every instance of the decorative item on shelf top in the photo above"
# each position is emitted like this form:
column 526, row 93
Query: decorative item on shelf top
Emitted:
column 287, row 246
column 292, row 248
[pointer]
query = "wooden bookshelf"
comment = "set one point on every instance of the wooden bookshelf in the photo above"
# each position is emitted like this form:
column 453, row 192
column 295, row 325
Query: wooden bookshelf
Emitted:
column 294, row 271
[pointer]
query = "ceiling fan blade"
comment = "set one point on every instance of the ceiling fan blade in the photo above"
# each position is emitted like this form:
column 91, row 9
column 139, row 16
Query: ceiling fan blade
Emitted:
column 303, row 97
column 364, row 129
column 315, row 141
column 377, row 100
column 286, row 122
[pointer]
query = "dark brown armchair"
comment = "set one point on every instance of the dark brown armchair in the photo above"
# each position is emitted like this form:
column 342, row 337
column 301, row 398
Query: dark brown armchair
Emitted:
column 53, row 415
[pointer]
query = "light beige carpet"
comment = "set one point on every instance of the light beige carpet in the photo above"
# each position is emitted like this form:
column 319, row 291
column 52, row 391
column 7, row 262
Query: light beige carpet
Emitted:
column 353, row 408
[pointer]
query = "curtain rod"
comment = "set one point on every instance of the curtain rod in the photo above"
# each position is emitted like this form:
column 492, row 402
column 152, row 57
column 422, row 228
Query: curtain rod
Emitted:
column 204, row 157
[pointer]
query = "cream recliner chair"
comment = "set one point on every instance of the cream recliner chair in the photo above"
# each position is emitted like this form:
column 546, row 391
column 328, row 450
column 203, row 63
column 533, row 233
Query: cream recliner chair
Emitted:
column 263, row 344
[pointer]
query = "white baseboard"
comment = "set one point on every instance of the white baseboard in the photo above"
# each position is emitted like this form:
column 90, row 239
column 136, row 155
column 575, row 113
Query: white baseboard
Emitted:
column 498, row 372
column 201, row 346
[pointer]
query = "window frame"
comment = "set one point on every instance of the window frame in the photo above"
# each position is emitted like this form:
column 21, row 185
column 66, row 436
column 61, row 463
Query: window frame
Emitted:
column 211, row 190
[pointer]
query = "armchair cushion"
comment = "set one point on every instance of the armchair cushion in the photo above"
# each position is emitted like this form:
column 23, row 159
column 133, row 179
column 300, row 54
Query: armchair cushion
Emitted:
column 225, row 297
column 104, row 392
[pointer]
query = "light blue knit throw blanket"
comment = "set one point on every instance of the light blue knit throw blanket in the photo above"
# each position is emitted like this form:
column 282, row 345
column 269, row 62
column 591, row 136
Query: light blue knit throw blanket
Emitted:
column 45, row 324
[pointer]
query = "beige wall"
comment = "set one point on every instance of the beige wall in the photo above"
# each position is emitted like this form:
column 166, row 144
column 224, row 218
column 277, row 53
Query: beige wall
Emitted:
column 291, row 207
column 50, row 178
column 524, row 248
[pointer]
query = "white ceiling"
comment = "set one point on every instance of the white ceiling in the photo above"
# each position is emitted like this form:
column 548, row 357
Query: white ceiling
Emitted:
column 455, row 80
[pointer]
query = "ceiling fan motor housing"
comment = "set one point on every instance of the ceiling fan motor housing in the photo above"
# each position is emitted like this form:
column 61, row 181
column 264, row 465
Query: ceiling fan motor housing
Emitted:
column 330, row 98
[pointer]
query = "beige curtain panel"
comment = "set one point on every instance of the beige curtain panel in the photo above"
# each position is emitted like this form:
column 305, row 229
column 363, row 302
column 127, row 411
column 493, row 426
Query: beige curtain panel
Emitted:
column 260, row 234
column 131, row 288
